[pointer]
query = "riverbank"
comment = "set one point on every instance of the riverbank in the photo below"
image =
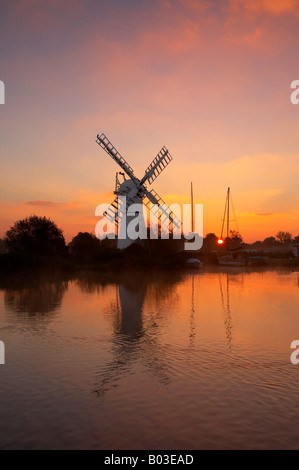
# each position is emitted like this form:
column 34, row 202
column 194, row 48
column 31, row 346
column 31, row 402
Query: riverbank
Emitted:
column 139, row 259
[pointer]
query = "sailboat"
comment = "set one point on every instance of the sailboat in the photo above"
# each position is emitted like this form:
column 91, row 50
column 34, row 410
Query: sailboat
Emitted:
column 231, row 256
column 193, row 262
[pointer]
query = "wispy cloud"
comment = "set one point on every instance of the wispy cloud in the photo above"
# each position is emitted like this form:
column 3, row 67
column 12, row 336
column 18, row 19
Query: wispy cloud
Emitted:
column 42, row 203
column 264, row 214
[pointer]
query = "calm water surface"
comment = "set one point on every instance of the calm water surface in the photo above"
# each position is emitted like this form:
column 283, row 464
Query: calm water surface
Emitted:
column 156, row 361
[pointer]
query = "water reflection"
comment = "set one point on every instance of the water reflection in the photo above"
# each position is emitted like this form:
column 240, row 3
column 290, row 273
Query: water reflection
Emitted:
column 38, row 300
column 192, row 317
column 133, row 340
column 225, row 300
column 35, row 297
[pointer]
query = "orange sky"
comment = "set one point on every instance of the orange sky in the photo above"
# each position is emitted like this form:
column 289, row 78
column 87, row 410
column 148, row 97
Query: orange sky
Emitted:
column 208, row 79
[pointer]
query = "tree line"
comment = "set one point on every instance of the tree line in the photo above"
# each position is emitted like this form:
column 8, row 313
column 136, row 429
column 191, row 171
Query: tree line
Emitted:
column 40, row 238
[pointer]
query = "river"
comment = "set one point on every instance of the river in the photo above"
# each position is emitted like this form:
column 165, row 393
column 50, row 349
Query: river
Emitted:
column 150, row 361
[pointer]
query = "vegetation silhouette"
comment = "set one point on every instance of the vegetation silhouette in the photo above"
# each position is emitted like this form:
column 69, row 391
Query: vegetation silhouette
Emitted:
column 85, row 248
column 37, row 236
column 36, row 242
column 284, row 237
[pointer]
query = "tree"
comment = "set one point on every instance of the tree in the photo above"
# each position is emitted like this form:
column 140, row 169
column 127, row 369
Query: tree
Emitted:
column 210, row 242
column 270, row 241
column 35, row 236
column 84, row 247
column 257, row 244
column 211, row 237
column 284, row 237
column 235, row 236
column 2, row 246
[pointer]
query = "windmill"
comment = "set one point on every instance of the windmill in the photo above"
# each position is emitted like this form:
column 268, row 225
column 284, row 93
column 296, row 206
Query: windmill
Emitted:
column 136, row 192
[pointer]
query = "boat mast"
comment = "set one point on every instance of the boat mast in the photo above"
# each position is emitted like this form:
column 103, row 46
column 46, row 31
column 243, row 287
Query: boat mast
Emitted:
column 192, row 209
column 227, row 222
column 226, row 216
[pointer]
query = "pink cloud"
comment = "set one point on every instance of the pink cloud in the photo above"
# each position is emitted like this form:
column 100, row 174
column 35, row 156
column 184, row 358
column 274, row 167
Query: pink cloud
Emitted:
column 275, row 7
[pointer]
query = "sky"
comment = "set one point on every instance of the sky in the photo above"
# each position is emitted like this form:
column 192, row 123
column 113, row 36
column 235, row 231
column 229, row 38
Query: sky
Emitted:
column 210, row 80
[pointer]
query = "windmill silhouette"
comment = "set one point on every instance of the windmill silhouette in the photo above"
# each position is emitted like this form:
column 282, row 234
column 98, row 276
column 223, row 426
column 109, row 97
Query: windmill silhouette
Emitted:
column 134, row 191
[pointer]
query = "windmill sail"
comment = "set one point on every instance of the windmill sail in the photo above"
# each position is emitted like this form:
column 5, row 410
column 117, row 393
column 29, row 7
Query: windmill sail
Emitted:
column 157, row 166
column 161, row 209
column 105, row 143
column 114, row 212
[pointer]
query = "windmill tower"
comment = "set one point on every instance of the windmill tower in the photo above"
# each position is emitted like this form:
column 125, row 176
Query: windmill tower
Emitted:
column 136, row 192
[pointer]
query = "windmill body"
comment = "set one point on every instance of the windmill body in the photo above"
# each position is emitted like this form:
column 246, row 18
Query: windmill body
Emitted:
column 134, row 191
column 128, row 190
